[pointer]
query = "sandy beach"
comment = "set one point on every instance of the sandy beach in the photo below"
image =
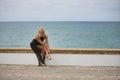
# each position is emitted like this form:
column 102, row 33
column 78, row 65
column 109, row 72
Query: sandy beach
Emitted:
column 28, row 72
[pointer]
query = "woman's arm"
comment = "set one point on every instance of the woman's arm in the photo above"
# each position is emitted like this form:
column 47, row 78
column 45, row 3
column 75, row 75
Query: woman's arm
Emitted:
column 47, row 43
column 46, row 39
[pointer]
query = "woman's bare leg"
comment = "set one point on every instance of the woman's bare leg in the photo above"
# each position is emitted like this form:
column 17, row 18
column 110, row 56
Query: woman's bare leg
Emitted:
column 47, row 48
column 45, row 52
column 48, row 51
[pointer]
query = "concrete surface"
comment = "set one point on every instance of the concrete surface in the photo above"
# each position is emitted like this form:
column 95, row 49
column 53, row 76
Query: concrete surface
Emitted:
column 30, row 72
column 62, row 59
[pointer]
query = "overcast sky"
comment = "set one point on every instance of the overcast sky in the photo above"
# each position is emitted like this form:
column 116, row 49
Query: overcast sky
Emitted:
column 59, row 10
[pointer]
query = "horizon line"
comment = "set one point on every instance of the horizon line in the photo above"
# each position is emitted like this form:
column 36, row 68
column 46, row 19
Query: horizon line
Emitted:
column 60, row 21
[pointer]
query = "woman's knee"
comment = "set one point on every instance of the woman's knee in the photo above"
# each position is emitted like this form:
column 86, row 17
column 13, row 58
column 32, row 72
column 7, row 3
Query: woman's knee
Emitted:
column 40, row 47
column 42, row 51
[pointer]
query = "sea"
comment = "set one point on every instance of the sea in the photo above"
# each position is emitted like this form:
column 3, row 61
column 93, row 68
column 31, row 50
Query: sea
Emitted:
column 61, row 34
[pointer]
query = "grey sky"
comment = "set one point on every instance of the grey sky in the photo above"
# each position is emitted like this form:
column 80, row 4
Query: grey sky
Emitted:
column 59, row 10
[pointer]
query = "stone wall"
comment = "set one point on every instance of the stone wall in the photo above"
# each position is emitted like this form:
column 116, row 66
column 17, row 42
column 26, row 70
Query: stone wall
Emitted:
column 64, row 50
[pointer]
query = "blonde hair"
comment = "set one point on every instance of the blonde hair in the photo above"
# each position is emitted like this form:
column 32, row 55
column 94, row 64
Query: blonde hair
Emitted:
column 40, row 31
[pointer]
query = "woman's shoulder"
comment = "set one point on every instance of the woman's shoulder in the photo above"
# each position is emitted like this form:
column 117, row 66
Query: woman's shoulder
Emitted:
column 36, row 36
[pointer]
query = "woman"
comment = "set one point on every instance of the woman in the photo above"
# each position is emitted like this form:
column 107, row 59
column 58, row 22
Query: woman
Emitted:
column 40, row 46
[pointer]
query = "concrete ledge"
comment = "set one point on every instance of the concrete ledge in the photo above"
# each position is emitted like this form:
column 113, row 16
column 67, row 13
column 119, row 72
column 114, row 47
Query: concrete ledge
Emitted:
column 64, row 50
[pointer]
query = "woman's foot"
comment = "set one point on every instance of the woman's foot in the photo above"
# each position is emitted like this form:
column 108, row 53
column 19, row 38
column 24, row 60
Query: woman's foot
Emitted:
column 41, row 64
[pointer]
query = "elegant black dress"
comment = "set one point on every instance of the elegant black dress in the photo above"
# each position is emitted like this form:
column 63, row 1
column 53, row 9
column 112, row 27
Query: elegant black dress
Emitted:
column 34, row 45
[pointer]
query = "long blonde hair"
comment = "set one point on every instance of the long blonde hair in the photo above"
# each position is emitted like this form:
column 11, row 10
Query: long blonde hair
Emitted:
column 41, row 31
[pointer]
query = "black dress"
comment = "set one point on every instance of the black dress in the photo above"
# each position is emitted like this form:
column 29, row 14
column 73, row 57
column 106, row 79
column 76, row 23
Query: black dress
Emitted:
column 34, row 45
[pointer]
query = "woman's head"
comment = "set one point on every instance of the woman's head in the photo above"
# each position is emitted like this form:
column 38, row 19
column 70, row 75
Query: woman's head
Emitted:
column 41, row 32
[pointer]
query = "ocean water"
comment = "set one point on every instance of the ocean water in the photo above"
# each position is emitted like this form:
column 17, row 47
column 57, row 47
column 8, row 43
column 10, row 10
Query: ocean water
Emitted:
column 73, row 34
